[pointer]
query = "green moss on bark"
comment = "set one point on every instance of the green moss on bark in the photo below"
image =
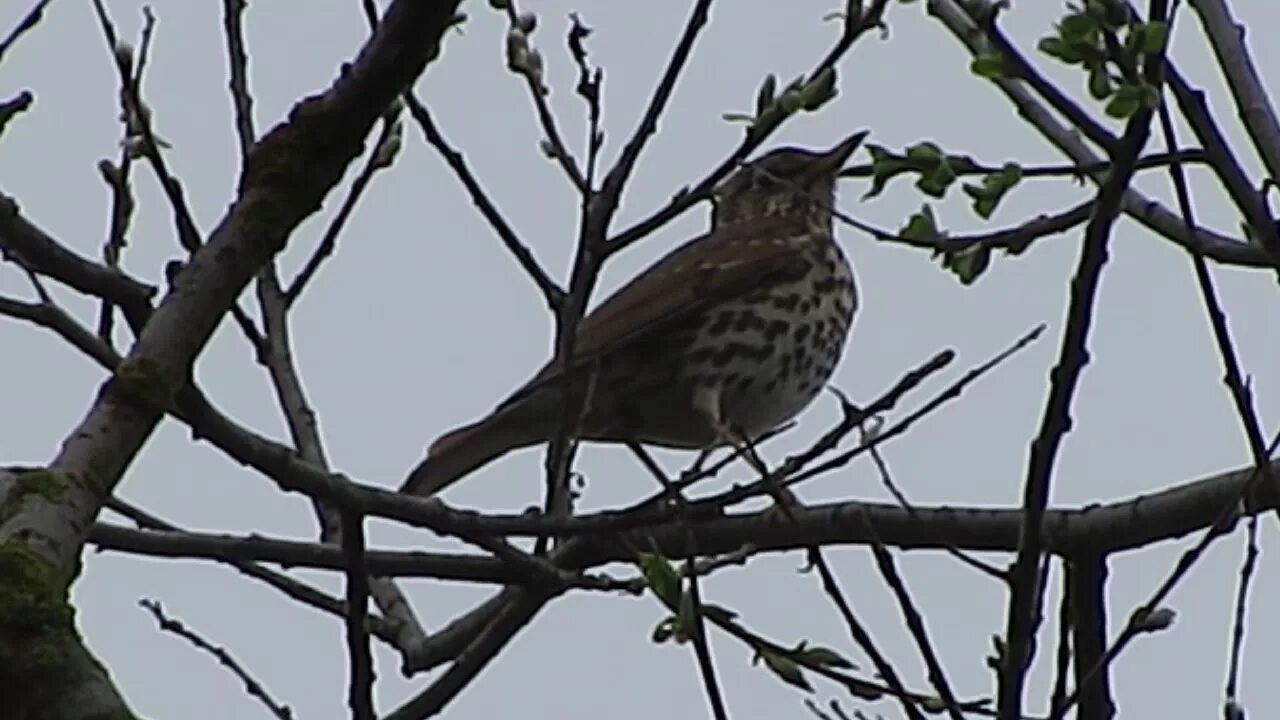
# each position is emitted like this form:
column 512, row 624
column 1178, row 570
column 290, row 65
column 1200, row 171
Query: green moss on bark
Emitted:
column 37, row 631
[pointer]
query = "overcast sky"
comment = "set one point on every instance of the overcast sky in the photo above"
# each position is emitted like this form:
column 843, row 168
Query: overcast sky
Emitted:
column 421, row 322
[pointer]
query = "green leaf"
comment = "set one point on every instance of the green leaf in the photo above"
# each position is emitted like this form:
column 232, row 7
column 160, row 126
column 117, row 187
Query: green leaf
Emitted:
column 1078, row 27
column 661, row 577
column 819, row 90
column 791, row 101
column 824, row 656
column 924, row 151
column 1010, row 174
column 935, row 183
column 1151, row 37
column 1148, row 96
column 1100, row 86
column 884, row 166
column 969, row 263
column 663, row 630
column 986, row 197
column 764, row 96
column 1109, row 13
column 787, row 669
column 920, row 226
column 1060, row 49
column 984, row 201
column 1124, row 103
column 989, row 65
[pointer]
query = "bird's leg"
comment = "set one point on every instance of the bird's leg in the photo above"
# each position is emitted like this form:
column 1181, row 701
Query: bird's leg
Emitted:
column 707, row 402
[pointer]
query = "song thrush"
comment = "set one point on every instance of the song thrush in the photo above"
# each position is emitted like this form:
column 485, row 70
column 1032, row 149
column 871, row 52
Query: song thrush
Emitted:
column 722, row 340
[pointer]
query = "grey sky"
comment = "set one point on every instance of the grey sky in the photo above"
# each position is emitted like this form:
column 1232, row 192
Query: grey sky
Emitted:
column 422, row 321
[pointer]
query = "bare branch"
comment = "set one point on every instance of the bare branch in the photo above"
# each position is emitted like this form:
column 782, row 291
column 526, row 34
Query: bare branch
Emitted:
column 1026, row 594
column 1146, row 211
column 238, row 63
column 915, row 624
column 1085, row 593
column 27, row 23
column 552, row 293
column 225, row 658
column 1224, row 513
column 374, row 162
column 9, row 109
column 1247, row 569
column 1253, row 104
column 863, row 638
column 360, row 692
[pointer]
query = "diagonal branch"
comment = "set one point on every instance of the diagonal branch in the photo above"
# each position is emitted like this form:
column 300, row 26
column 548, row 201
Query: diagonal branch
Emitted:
column 26, row 24
column 1026, row 594
column 552, row 293
column 1253, row 103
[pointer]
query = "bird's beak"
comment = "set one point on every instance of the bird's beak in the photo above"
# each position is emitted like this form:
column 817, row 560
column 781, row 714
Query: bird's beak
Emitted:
column 831, row 162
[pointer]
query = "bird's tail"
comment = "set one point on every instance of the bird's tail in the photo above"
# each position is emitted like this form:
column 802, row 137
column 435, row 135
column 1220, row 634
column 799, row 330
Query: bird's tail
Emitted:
column 459, row 452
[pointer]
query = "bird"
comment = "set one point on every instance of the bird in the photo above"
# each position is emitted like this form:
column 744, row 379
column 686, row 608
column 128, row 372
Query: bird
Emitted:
column 722, row 340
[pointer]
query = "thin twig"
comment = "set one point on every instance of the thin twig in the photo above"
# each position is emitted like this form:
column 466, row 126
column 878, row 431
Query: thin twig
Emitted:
column 329, row 241
column 702, row 648
column 238, row 64
column 295, row 589
column 1232, row 377
column 856, row 25
column 861, row 636
column 552, row 293
column 886, row 479
column 951, row 392
column 915, row 624
column 225, row 658
column 360, row 692
column 27, row 23
column 554, row 146
column 1232, row 690
column 616, row 179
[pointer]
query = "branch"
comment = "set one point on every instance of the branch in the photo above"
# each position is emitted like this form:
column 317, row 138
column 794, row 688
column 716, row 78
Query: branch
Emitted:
column 27, row 23
column 616, row 178
column 9, row 109
column 35, row 250
column 856, row 25
column 1223, row 514
column 225, row 658
column 238, row 65
column 863, row 638
column 1225, row 165
column 1253, row 103
column 915, row 624
column 284, row 180
column 360, row 693
column 162, row 539
column 1026, row 595
column 1086, row 596
column 1146, row 211
column 552, row 293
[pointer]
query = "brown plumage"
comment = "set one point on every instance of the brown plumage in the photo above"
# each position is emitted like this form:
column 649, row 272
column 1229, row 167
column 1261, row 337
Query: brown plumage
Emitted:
column 729, row 335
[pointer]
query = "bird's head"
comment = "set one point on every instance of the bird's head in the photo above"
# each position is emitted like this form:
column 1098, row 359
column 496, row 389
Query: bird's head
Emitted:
column 786, row 181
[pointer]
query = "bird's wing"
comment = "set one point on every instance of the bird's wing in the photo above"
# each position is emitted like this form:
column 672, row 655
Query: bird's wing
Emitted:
column 707, row 270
